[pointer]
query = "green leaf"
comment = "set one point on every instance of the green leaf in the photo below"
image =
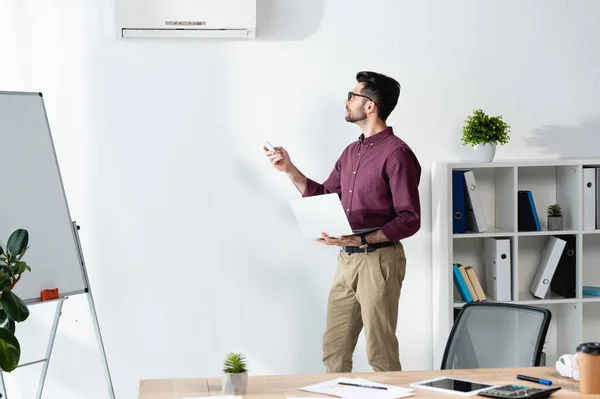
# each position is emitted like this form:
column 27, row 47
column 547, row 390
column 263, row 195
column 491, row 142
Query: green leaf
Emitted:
column 235, row 363
column 21, row 267
column 14, row 307
column 10, row 350
column 10, row 271
column 17, row 242
column 3, row 318
column 11, row 326
column 5, row 281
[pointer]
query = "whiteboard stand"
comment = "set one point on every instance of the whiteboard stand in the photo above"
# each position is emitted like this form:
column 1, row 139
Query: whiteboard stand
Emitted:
column 57, row 314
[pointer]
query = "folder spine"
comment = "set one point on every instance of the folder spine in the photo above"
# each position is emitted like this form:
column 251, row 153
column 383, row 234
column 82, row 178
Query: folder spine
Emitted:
column 547, row 266
column 476, row 220
column 589, row 199
column 459, row 223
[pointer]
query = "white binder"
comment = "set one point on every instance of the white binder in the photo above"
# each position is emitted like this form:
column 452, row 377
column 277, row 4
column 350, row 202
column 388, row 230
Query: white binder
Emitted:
column 589, row 199
column 497, row 258
column 598, row 198
column 547, row 267
column 477, row 221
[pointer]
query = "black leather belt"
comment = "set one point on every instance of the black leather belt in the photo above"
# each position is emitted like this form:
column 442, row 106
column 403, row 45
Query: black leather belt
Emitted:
column 370, row 248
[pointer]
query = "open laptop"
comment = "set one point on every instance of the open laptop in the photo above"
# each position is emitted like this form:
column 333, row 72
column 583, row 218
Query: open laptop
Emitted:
column 323, row 214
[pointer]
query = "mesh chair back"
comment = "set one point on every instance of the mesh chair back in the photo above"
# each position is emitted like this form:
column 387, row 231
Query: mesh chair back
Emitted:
column 494, row 334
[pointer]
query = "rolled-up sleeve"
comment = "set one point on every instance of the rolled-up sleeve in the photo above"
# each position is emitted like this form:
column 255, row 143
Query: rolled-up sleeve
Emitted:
column 331, row 185
column 404, row 173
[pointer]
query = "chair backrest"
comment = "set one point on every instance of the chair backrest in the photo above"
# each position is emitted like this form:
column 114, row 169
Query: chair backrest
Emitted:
column 496, row 334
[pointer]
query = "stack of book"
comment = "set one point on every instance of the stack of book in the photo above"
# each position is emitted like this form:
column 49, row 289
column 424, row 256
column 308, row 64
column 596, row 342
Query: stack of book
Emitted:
column 467, row 283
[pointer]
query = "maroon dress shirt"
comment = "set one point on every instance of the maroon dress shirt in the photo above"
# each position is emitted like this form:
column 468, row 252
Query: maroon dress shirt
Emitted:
column 377, row 179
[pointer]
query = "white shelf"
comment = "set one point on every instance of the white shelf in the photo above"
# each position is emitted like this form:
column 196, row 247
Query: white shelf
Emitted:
column 496, row 232
column 550, row 181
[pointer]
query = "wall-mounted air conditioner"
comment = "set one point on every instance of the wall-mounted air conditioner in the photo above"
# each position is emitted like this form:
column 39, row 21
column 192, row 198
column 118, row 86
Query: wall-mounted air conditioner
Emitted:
column 185, row 18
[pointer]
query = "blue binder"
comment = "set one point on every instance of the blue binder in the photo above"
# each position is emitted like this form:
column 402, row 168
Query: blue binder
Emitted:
column 459, row 224
column 528, row 217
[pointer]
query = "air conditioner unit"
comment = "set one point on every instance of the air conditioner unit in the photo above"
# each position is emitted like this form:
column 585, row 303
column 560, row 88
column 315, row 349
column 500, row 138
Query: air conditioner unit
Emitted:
column 185, row 18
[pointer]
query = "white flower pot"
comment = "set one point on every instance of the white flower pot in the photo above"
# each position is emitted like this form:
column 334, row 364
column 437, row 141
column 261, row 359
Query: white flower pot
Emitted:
column 235, row 384
column 484, row 152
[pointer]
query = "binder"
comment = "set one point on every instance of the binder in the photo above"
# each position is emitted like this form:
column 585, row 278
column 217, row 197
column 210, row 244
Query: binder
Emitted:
column 475, row 215
column 547, row 266
column 597, row 197
column 459, row 224
column 497, row 258
column 589, row 199
column 563, row 281
column 527, row 212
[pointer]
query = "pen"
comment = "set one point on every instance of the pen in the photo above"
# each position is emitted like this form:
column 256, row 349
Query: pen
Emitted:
column 533, row 379
column 361, row 386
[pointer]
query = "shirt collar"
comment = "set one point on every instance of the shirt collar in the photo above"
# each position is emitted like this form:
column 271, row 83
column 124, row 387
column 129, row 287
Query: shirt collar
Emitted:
column 377, row 137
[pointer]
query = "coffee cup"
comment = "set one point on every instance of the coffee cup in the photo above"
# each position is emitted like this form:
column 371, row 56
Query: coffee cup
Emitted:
column 588, row 361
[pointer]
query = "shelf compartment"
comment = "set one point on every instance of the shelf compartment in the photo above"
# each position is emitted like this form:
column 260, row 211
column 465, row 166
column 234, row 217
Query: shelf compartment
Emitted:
column 553, row 185
column 470, row 252
column 590, row 273
column 563, row 333
column 591, row 323
column 530, row 253
column 496, row 187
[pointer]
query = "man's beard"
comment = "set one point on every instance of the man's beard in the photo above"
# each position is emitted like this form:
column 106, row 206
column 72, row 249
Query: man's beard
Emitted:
column 355, row 116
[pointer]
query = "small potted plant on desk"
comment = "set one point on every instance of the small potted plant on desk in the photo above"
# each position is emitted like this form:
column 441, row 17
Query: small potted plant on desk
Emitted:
column 555, row 219
column 235, row 379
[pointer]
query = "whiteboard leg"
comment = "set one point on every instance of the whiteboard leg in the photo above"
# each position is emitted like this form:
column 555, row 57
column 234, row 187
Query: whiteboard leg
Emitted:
column 3, row 386
column 49, row 348
column 111, row 391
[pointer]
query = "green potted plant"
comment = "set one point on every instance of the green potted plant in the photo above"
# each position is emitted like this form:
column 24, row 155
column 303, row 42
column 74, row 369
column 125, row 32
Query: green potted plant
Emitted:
column 12, row 309
column 484, row 132
column 555, row 217
column 235, row 377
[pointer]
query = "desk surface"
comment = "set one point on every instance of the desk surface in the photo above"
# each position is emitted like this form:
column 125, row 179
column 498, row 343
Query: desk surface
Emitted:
column 281, row 386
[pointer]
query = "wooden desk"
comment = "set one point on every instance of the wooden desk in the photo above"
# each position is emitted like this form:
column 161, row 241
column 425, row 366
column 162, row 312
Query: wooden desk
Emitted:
column 281, row 386
column 173, row 388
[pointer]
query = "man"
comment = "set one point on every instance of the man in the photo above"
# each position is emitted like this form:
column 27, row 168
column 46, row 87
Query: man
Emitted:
column 377, row 179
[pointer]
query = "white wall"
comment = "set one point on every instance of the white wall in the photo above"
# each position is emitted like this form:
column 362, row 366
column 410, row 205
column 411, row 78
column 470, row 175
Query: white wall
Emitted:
column 191, row 246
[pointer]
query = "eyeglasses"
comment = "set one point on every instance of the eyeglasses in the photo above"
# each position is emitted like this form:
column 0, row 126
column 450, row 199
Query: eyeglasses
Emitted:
column 352, row 94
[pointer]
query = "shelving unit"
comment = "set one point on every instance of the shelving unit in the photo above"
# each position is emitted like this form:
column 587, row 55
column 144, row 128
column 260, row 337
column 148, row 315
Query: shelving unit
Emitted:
column 574, row 320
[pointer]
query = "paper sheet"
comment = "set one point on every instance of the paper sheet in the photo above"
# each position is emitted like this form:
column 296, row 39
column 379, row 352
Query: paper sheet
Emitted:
column 333, row 387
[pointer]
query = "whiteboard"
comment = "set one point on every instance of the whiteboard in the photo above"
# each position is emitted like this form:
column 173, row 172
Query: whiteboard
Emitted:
column 32, row 197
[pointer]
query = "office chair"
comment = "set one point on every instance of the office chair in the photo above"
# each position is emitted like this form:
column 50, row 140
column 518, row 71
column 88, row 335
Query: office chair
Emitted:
column 496, row 334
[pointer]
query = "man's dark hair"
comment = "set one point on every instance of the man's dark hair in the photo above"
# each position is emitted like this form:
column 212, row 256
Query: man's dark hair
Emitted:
column 382, row 89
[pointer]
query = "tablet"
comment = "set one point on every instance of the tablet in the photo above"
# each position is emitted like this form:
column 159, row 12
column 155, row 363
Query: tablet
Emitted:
column 453, row 385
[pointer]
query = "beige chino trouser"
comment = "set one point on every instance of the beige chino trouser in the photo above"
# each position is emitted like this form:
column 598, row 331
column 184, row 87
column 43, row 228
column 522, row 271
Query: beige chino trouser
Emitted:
column 365, row 293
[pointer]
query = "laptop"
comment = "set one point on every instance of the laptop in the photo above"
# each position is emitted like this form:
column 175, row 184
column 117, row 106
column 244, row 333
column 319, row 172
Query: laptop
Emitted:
column 323, row 214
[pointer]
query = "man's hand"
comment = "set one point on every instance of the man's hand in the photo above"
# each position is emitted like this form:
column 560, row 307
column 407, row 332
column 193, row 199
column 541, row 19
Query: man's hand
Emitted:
column 343, row 241
column 280, row 159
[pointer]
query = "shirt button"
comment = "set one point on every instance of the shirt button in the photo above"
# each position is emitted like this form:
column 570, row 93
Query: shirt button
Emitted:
column 350, row 190
column 354, row 172
column 347, row 210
